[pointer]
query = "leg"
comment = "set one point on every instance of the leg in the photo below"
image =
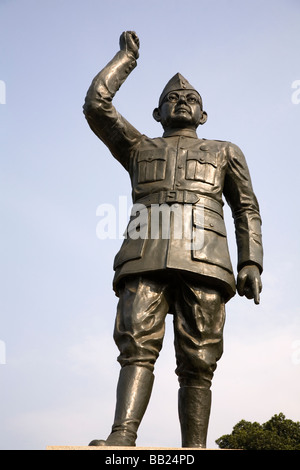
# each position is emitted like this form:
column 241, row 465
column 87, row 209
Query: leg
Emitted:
column 139, row 332
column 198, row 323
column 140, row 321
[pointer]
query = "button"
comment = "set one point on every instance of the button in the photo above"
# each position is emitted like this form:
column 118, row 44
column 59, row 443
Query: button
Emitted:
column 211, row 225
column 180, row 167
column 177, row 184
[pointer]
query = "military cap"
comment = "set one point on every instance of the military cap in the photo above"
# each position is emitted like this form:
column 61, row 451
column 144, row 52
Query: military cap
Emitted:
column 178, row 82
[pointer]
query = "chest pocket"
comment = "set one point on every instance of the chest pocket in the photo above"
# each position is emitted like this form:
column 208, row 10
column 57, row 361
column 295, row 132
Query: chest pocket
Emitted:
column 151, row 165
column 201, row 165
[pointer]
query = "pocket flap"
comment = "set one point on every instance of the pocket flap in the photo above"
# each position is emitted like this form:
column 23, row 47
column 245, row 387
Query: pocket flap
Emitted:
column 150, row 155
column 202, row 157
column 137, row 226
column 209, row 220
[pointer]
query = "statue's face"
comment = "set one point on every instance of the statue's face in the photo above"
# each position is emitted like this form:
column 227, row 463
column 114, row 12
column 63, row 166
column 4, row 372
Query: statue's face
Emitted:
column 180, row 109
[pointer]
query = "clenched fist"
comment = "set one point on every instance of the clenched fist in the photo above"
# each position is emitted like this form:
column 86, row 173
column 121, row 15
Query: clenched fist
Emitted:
column 130, row 43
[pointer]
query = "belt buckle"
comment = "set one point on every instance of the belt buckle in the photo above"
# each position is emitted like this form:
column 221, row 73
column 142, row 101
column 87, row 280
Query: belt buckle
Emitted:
column 171, row 196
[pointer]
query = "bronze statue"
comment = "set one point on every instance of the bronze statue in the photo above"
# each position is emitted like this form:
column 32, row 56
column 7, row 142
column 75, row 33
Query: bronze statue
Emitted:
column 157, row 275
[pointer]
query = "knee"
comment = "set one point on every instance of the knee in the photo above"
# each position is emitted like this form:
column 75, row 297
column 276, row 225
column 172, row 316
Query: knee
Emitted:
column 197, row 369
column 135, row 352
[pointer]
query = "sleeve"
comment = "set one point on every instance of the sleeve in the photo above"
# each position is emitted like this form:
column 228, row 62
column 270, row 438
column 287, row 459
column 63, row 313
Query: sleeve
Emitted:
column 104, row 120
column 239, row 195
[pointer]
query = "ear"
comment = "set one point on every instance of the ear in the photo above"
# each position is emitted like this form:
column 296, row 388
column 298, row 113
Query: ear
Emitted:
column 203, row 118
column 156, row 114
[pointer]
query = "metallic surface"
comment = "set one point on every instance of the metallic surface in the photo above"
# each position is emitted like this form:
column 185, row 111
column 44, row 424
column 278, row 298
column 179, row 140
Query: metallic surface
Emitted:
column 157, row 275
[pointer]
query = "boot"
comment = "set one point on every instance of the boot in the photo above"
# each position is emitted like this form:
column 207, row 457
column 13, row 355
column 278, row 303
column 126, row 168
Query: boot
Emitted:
column 133, row 394
column 194, row 410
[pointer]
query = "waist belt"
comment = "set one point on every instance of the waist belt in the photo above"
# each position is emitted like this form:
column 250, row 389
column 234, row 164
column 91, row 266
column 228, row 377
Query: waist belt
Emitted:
column 183, row 197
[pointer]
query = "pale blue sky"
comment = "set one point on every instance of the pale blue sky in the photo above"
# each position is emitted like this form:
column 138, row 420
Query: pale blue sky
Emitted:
column 57, row 306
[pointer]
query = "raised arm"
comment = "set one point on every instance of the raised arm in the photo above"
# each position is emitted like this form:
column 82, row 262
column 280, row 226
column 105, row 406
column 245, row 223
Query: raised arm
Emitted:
column 104, row 120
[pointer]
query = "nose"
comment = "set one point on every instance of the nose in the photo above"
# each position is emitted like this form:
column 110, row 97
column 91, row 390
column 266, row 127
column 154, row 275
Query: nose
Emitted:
column 182, row 99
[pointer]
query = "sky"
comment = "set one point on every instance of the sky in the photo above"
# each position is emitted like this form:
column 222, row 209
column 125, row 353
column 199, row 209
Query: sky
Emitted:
column 58, row 368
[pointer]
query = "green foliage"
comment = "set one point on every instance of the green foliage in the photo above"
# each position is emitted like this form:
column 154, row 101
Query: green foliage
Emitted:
column 278, row 433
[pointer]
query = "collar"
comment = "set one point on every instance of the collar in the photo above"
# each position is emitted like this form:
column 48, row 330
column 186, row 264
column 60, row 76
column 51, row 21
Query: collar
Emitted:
column 180, row 132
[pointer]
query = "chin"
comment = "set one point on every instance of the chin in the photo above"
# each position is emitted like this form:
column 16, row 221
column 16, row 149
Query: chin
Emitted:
column 182, row 121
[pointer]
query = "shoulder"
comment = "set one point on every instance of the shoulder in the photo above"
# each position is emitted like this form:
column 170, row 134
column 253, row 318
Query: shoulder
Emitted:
column 230, row 151
column 234, row 152
column 155, row 142
column 214, row 144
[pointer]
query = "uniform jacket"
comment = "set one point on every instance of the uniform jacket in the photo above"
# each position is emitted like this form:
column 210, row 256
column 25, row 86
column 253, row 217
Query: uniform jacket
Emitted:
column 177, row 170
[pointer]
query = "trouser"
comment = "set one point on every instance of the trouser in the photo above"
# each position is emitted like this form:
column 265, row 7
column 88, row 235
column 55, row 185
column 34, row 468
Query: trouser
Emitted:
column 198, row 316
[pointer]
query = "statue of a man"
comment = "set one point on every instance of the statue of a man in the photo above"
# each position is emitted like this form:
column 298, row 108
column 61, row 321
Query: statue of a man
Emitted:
column 157, row 274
